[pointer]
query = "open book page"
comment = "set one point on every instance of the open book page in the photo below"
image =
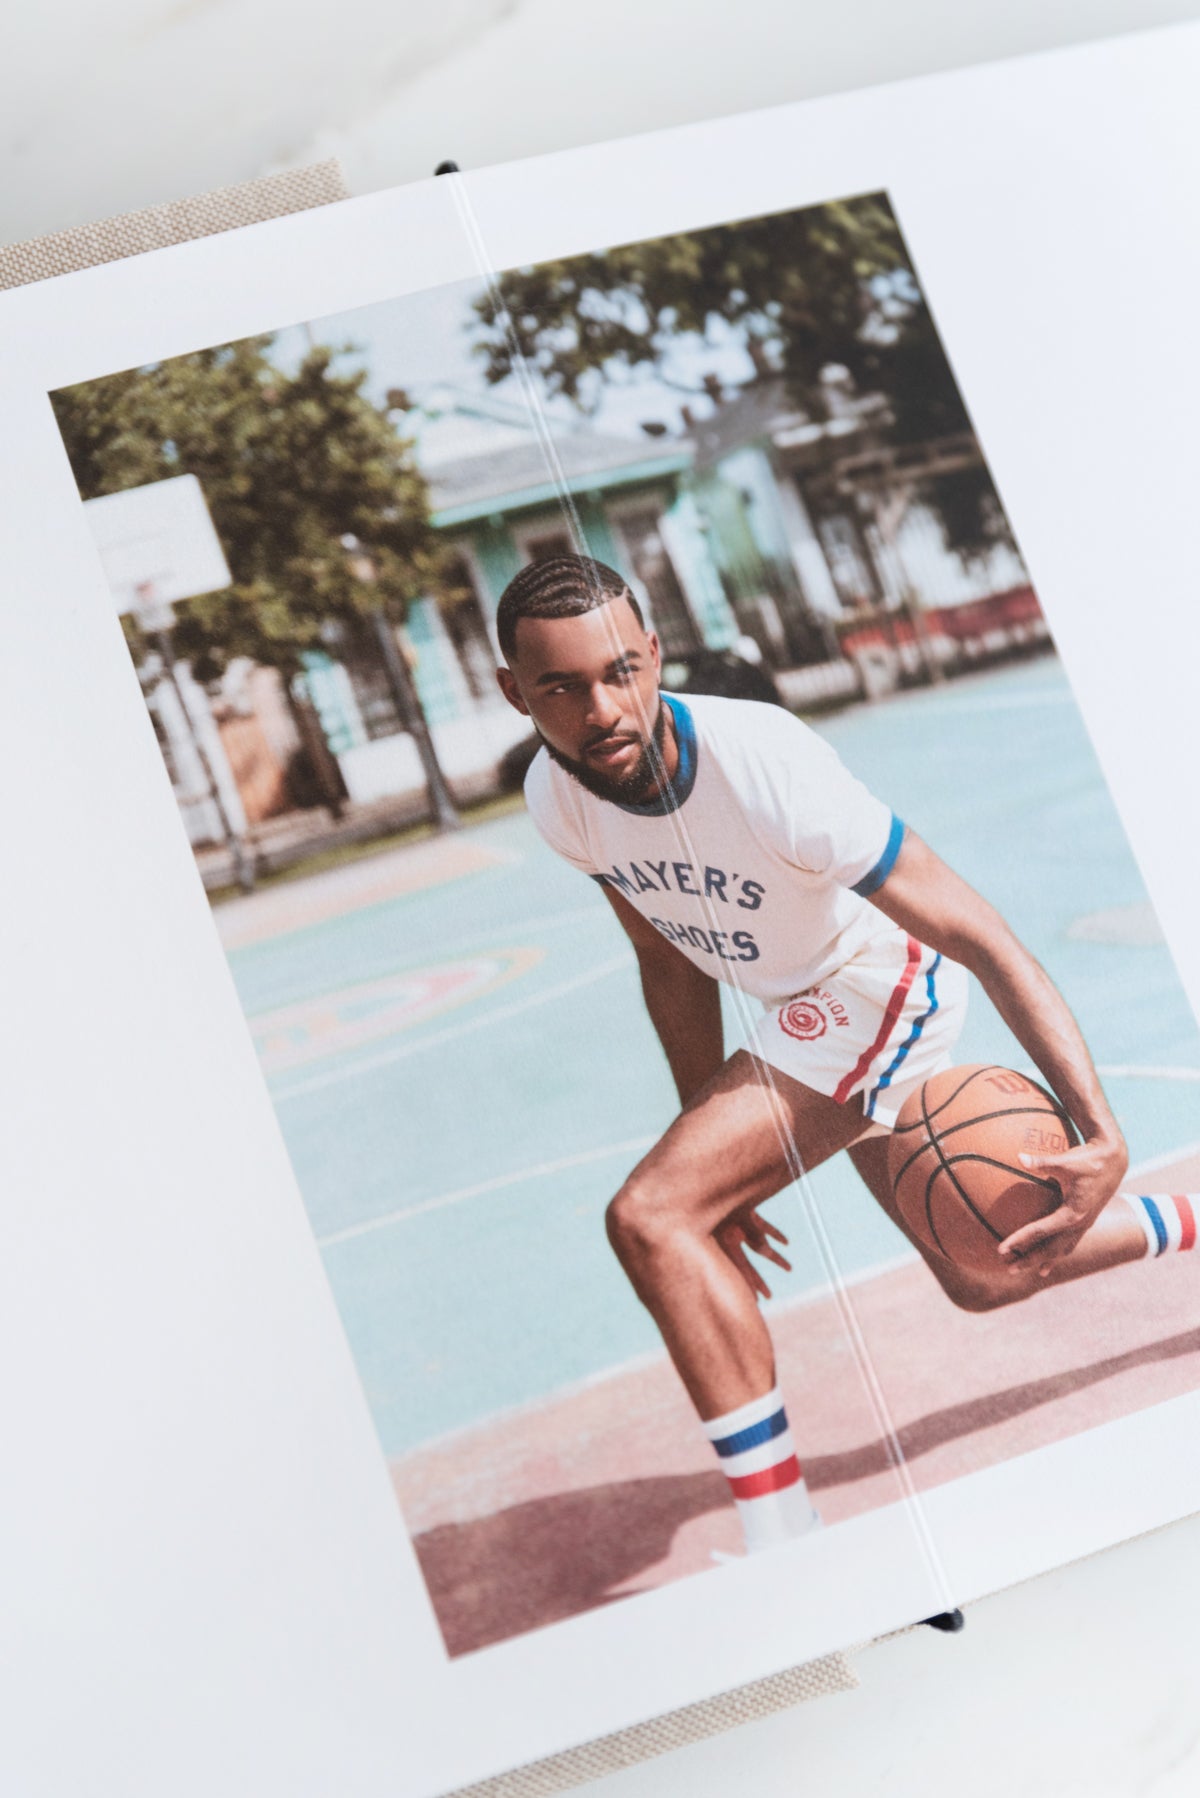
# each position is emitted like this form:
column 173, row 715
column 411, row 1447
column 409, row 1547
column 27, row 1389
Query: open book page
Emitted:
column 871, row 580
column 548, row 1408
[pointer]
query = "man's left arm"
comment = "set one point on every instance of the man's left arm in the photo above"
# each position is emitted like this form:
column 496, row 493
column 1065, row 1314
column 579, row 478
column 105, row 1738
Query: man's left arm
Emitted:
column 933, row 903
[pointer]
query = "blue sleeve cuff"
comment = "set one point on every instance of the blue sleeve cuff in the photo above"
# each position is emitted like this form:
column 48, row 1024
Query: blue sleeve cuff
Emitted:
column 874, row 879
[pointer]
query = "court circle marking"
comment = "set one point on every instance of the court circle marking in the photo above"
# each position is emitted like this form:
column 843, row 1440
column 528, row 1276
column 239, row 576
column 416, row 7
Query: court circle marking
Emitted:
column 351, row 1017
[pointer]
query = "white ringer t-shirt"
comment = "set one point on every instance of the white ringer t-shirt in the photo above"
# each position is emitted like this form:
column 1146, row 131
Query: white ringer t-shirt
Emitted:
column 758, row 864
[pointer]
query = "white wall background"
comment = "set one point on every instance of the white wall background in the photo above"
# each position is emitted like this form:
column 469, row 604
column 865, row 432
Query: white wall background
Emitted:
column 1083, row 1684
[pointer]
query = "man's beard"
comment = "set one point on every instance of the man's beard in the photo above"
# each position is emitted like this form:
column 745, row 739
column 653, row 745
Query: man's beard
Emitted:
column 643, row 780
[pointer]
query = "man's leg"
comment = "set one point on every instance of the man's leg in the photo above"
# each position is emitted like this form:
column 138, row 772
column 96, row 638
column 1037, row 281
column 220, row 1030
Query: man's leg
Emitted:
column 1116, row 1236
column 734, row 1145
column 740, row 1139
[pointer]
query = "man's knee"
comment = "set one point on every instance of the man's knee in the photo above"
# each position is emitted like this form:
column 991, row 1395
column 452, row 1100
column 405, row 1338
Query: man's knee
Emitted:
column 639, row 1223
column 982, row 1292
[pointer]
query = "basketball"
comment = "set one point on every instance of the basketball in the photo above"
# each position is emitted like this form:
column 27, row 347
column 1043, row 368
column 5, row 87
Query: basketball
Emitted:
column 954, row 1160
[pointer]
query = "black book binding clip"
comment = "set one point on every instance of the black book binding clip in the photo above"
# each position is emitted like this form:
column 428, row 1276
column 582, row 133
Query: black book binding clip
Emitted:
column 949, row 1621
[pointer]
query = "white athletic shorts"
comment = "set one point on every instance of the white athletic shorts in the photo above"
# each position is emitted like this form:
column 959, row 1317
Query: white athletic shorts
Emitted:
column 880, row 1026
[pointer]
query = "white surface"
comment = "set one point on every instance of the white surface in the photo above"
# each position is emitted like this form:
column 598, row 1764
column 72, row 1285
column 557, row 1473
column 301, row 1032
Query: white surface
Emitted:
column 1080, row 1684
column 133, row 102
column 195, row 1242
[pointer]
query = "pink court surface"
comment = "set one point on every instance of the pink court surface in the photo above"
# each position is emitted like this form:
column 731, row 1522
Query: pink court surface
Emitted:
column 610, row 1489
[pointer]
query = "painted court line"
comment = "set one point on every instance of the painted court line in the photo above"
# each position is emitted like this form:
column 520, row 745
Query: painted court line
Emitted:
column 401, row 1051
column 1128, row 1071
column 1124, row 1071
column 333, row 893
column 492, row 941
column 542, row 1170
column 1005, row 702
column 637, row 1145
column 634, row 1364
column 1152, row 1166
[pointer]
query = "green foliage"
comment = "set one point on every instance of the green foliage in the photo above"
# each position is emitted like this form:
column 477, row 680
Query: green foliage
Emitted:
column 829, row 284
column 825, row 285
column 289, row 464
column 968, row 510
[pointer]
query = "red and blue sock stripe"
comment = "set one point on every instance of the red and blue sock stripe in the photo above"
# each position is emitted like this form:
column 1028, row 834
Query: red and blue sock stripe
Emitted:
column 757, row 1456
column 1168, row 1220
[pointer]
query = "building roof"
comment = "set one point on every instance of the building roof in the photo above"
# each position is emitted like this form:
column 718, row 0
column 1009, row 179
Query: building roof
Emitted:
column 478, row 464
column 507, row 480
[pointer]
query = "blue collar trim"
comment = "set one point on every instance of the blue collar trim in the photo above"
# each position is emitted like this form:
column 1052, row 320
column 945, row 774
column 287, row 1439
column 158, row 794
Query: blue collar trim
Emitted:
column 678, row 789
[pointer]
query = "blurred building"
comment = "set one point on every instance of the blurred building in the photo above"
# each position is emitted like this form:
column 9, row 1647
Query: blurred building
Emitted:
column 498, row 504
column 810, row 543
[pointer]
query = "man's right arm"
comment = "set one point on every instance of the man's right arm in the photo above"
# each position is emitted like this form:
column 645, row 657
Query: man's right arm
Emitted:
column 684, row 1002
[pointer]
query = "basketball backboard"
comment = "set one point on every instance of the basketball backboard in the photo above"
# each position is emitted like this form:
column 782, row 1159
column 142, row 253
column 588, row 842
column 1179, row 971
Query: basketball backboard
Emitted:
column 157, row 544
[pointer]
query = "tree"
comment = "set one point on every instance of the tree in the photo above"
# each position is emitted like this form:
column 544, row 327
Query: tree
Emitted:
column 290, row 464
column 826, row 285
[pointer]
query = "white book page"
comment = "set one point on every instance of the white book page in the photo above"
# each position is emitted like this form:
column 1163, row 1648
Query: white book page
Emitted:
column 212, row 1566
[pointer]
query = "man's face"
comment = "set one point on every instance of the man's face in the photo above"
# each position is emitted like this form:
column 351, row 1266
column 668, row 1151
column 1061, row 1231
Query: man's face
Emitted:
column 590, row 685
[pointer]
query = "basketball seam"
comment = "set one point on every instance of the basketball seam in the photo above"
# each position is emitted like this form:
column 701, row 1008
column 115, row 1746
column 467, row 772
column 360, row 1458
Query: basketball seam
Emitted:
column 983, row 1117
column 1005, row 1167
column 992, row 1068
column 954, row 1181
column 947, row 1163
column 944, row 1167
column 933, row 1231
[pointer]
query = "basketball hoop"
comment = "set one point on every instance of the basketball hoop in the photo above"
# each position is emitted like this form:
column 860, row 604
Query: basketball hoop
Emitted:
column 158, row 545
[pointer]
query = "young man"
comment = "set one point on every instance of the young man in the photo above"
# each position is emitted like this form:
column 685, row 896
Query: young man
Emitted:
column 735, row 847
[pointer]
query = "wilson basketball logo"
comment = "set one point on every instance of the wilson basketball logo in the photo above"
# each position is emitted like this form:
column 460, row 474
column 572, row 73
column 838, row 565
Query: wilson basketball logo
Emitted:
column 1007, row 1082
column 803, row 1019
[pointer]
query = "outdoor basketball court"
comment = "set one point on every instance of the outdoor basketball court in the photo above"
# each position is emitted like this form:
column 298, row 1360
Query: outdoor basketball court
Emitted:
column 453, row 1037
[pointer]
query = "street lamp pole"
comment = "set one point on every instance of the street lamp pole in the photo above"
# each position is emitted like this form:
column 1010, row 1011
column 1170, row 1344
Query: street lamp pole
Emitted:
column 404, row 694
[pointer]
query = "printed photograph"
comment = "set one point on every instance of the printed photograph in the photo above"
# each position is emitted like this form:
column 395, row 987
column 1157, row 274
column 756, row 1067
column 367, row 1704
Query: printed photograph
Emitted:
column 735, row 1076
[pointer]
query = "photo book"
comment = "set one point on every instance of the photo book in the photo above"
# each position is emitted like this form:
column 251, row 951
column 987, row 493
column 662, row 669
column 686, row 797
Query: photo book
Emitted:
column 602, row 1059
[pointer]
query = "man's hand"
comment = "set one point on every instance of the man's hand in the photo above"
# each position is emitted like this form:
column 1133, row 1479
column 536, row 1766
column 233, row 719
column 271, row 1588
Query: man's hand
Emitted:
column 1087, row 1177
column 748, row 1230
column 935, row 905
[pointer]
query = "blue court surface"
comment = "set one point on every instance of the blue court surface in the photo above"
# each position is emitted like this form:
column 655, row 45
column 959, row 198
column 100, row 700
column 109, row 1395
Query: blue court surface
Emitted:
column 463, row 1070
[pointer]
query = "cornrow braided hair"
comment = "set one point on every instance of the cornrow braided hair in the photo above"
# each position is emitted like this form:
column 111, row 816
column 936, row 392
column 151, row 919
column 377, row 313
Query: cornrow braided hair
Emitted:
column 559, row 587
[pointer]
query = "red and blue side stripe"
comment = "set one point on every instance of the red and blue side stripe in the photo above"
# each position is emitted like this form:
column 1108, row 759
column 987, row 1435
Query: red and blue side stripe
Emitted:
column 893, row 1067
column 887, row 1023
